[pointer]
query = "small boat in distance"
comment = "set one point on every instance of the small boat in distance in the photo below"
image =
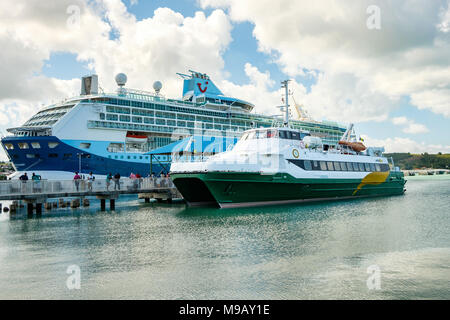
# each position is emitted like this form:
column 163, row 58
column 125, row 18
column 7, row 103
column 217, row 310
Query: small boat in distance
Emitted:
column 281, row 164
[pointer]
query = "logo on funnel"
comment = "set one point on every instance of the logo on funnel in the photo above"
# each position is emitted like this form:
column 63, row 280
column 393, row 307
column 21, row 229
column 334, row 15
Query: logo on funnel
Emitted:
column 200, row 87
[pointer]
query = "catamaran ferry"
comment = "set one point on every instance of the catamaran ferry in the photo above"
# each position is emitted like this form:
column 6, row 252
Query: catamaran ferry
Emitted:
column 128, row 131
column 285, row 165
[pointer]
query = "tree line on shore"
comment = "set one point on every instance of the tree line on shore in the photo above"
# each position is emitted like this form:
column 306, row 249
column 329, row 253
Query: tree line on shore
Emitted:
column 409, row 161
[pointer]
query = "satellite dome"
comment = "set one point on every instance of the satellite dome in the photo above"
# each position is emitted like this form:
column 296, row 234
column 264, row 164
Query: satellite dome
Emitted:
column 121, row 79
column 157, row 86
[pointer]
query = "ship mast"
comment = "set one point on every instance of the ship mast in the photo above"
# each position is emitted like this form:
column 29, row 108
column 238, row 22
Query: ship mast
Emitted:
column 285, row 85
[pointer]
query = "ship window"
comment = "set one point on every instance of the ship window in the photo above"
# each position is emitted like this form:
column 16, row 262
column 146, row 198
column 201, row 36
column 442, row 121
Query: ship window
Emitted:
column 323, row 166
column 337, row 166
column 67, row 155
column 288, row 135
column 272, row 134
column 308, row 165
column 330, row 166
column 361, row 166
column 367, row 166
column 31, row 156
column 23, row 145
column 125, row 118
column 349, row 166
column 377, row 167
column 343, row 166
column 282, row 134
column 116, row 157
column 112, row 117
column 102, row 116
column 85, row 145
column 295, row 136
column 355, row 166
column 35, row 145
column 9, row 146
column 53, row 155
column 316, row 165
column 53, row 145
column 372, row 167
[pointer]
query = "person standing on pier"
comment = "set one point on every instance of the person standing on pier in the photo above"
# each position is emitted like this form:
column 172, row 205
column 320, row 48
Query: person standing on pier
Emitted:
column 36, row 182
column 76, row 180
column 108, row 180
column 90, row 179
column 24, row 179
column 117, row 181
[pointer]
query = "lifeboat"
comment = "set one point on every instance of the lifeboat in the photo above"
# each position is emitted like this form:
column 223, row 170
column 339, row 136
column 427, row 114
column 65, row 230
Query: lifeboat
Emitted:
column 136, row 138
column 356, row 146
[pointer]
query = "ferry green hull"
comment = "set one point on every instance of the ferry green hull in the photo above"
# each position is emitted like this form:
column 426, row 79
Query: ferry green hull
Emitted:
column 252, row 189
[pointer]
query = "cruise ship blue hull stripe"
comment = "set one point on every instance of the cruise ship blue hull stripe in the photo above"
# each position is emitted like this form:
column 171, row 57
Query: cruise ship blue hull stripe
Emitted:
column 89, row 162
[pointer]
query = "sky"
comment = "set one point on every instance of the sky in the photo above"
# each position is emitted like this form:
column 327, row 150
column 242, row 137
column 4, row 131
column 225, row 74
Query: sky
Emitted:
column 383, row 65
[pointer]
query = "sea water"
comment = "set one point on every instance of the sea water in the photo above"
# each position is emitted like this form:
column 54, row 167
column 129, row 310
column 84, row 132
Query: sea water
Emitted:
column 379, row 248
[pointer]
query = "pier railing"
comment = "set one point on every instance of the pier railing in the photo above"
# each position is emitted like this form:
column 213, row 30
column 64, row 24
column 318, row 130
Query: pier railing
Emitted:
column 31, row 187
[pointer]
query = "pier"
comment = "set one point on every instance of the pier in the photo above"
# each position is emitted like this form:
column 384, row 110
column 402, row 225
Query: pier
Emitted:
column 36, row 194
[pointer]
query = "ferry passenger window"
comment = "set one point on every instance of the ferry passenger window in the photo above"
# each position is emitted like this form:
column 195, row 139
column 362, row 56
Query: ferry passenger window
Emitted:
column 367, row 166
column 337, row 166
column 35, row 145
column 316, row 165
column 372, row 167
column 377, row 167
column 330, row 166
column 343, row 166
column 349, row 166
column 288, row 135
column 308, row 165
column 361, row 167
column 323, row 166
column 295, row 135
column 23, row 145
column 282, row 134
column 355, row 166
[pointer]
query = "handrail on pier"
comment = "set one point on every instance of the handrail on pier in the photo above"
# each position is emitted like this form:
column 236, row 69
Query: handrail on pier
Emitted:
column 50, row 188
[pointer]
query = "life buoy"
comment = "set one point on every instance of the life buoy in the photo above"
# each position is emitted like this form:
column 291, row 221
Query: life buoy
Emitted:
column 295, row 153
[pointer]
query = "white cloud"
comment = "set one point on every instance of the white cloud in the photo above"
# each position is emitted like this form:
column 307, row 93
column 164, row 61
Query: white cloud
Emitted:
column 147, row 50
column 410, row 126
column 408, row 56
column 398, row 144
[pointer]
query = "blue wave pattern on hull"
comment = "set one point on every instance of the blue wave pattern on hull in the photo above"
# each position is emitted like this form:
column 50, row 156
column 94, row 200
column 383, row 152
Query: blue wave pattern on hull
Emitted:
column 64, row 157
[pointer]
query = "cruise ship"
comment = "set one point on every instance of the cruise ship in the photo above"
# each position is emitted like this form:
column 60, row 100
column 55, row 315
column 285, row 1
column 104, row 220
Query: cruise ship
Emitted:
column 128, row 131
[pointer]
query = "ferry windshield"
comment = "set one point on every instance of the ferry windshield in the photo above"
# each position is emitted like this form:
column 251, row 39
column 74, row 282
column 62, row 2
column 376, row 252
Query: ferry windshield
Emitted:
column 272, row 133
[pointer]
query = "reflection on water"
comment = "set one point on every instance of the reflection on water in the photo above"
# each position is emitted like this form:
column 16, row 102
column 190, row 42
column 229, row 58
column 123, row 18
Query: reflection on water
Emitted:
column 311, row 251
